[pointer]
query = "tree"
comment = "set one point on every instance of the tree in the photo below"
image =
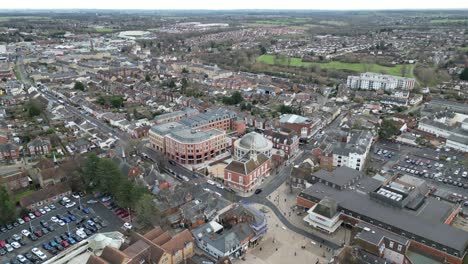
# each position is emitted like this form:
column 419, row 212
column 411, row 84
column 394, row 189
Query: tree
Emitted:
column 90, row 171
column 285, row 109
column 245, row 106
column 184, row 83
column 184, row 71
column 235, row 98
column 108, row 176
column 464, row 74
column 79, row 86
column 117, row 101
column 148, row 213
column 34, row 108
column 263, row 50
column 388, row 129
column 7, row 206
column 147, row 78
column 101, row 100
column 171, row 84
column 128, row 194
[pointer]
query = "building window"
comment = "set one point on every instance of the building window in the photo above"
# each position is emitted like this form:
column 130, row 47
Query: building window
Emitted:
column 390, row 245
column 229, row 176
column 399, row 247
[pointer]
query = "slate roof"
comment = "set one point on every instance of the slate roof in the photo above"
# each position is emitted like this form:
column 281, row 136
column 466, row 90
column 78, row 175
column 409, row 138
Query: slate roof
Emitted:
column 340, row 176
column 246, row 166
column 396, row 217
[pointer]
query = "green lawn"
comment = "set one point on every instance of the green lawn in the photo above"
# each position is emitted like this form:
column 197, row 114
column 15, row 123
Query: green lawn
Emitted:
column 357, row 67
column 333, row 23
column 8, row 18
column 281, row 22
column 23, row 194
column 443, row 21
column 17, row 73
column 463, row 48
column 103, row 30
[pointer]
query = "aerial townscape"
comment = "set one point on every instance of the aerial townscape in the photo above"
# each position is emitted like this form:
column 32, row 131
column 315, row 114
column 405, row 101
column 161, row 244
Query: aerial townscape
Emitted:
column 233, row 135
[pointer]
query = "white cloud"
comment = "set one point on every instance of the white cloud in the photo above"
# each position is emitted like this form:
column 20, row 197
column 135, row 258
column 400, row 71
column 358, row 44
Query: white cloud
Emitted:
column 237, row 4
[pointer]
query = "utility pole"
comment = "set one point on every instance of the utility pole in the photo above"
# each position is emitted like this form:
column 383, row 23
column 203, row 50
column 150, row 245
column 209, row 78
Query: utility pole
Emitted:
column 129, row 215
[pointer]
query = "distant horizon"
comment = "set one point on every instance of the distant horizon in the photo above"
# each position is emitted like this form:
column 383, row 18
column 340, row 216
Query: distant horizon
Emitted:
column 239, row 9
column 209, row 5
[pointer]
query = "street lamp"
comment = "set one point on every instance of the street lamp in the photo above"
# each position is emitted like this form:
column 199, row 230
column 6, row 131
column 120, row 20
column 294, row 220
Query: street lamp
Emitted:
column 129, row 215
column 68, row 229
column 79, row 202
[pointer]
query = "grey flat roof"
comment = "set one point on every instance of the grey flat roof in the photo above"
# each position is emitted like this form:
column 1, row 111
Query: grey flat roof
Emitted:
column 340, row 176
column 166, row 128
column 376, row 234
column 362, row 204
column 194, row 136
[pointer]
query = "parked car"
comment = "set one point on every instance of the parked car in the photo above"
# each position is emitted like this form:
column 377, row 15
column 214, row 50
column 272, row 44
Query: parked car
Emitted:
column 25, row 232
column 16, row 245
column 69, row 205
column 39, row 253
column 106, row 199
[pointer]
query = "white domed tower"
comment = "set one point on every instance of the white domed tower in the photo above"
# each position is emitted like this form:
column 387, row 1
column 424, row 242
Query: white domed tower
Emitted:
column 254, row 143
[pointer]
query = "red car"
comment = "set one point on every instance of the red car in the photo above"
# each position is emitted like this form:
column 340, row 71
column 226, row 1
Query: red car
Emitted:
column 26, row 218
column 119, row 211
column 65, row 244
column 2, row 244
column 124, row 215
column 37, row 214
column 38, row 233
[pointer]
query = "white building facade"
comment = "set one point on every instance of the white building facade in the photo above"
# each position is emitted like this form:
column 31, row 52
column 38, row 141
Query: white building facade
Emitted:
column 376, row 81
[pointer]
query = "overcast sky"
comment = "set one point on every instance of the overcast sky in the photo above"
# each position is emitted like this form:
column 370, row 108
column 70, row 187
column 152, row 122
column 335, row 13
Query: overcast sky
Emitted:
column 236, row 4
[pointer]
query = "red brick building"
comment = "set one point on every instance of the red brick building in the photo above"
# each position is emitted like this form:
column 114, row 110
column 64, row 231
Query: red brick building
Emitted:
column 303, row 126
column 285, row 140
column 9, row 151
column 188, row 146
column 247, row 173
